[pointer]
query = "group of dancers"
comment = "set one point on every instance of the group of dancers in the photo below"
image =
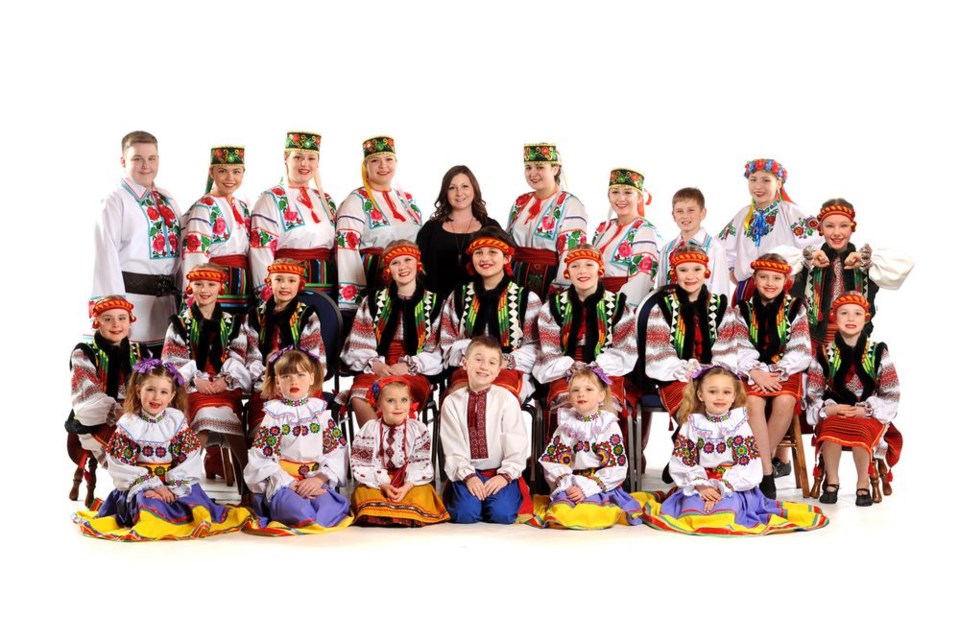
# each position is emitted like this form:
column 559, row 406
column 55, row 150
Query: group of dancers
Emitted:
column 494, row 318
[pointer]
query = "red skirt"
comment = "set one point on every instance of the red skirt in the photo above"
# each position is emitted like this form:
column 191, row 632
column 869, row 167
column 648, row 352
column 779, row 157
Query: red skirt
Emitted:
column 792, row 386
column 509, row 379
column 850, row 432
column 672, row 395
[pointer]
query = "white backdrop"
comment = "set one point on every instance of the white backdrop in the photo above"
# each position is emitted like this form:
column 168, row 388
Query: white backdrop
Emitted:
column 856, row 101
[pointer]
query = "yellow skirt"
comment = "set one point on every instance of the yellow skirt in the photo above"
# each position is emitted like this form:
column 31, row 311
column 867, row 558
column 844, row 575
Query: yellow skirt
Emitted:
column 194, row 516
column 421, row 506
column 597, row 512
column 744, row 514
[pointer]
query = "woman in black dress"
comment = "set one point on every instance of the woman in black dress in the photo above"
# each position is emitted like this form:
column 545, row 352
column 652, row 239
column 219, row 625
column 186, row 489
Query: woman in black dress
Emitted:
column 460, row 212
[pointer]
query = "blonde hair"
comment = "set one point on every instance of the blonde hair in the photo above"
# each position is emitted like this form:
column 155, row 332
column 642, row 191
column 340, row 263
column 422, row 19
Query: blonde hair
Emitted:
column 691, row 402
column 131, row 402
column 591, row 375
column 292, row 361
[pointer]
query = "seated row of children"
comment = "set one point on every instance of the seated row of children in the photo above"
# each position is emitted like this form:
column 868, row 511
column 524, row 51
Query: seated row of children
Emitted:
column 298, row 459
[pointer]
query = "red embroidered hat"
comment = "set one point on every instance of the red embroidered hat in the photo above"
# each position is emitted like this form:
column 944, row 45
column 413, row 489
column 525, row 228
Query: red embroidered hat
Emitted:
column 110, row 303
column 398, row 251
column 850, row 297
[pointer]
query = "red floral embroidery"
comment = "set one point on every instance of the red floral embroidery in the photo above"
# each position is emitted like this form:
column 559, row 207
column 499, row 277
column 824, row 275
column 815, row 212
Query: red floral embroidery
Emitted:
column 278, row 191
column 207, row 200
column 158, row 243
column 623, row 250
column 219, row 226
column 290, row 215
column 152, row 213
column 348, row 292
column 174, row 241
column 191, row 242
column 548, row 223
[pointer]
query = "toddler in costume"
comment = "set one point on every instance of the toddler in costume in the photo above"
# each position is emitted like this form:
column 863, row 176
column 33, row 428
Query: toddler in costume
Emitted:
column 154, row 460
column 391, row 461
column 716, row 465
column 586, row 462
column 299, row 454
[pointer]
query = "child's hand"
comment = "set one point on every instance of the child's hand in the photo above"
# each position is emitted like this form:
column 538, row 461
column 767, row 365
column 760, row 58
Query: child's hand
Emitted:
column 475, row 487
column 575, row 494
column 310, row 487
column 846, row 411
column 219, row 385
column 820, row 259
column 710, row 497
column 835, row 409
column 380, row 369
column 203, row 385
column 160, row 493
column 853, row 261
column 765, row 381
column 402, row 492
column 389, row 491
column 494, row 485
column 400, row 369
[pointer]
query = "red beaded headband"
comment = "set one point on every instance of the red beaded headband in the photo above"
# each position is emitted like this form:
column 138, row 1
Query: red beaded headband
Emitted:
column 688, row 256
column 582, row 253
column 285, row 267
column 850, row 298
column 837, row 210
column 492, row 243
column 771, row 265
column 110, row 304
column 206, row 273
column 397, row 252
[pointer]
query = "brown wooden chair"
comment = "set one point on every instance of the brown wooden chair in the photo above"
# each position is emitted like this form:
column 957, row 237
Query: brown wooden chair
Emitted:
column 793, row 440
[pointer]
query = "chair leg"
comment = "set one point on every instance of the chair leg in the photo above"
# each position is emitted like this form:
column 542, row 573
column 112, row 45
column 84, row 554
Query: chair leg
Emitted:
column 228, row 471
column 884, row 472
column 91, row 480
column 799, row 458
column 77, row 479
column 817, row 479
column 875, row 483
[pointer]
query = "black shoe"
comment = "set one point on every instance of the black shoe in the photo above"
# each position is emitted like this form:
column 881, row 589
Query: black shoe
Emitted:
column 768, row 487
column 665, row 476
column 863, row 498
column 781, row 468
column 828, row 496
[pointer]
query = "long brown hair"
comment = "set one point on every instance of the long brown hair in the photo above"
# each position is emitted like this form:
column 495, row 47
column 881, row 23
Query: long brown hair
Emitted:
column 292, row 361
column 693, row 404
column 443, row 208
column 131, row 402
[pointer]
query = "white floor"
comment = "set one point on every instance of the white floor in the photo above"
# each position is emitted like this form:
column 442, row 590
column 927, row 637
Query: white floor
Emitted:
column 525, row 578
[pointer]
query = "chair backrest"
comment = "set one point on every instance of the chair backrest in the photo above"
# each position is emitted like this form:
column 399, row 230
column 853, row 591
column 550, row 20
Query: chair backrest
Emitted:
column 331, row 327
column 639, row 374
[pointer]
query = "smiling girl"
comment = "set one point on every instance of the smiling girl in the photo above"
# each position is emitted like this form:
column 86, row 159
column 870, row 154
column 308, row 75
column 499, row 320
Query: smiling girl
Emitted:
column 299, row 453
column 545, row 223
column 294, row 221
column 391, row 461
column 630, row 245
column 774, row 353
column 369, row 219
column 154, row 460
column 395, row 332
column 217, row 228
column 853, row 394
column 771, row 220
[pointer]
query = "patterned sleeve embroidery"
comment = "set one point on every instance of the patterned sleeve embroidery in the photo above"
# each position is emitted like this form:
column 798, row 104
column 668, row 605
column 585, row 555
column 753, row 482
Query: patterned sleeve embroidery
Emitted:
column 743, row 449
column 685, row 450
column 333, row 437
column 268, row 440
column 804, row 227
column 183, row 445
column 727, row 231
column 558, row 453
column 123, row 448
column 611, row 452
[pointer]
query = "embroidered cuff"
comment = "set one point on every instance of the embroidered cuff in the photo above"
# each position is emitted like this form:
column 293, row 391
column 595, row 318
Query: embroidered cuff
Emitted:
column 411, row 364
